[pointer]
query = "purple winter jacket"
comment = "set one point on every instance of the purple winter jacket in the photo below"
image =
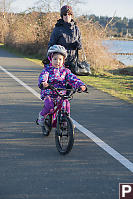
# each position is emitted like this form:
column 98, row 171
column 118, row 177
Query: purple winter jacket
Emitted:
column 58, row 77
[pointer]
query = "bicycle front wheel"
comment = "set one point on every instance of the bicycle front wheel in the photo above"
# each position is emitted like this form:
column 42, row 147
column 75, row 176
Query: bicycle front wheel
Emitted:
column 64, row 135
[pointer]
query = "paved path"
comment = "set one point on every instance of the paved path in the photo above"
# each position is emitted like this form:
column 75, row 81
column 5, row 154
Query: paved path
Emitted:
column 31, row 167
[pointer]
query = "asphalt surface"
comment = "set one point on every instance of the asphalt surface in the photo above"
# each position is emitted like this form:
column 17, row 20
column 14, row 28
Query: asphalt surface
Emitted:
column 31, row 167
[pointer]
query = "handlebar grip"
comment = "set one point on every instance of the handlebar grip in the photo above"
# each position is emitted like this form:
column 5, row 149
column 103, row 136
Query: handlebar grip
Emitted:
column 79, row 90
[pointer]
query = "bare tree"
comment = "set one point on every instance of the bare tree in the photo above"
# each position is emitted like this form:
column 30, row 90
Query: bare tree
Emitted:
column 61, row 2
column 55, row 5
column 44, row 5
column 69, row 2
column 5, row 5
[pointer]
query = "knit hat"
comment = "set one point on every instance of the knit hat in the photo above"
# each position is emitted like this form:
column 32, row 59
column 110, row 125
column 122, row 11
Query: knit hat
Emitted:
column 66, row 9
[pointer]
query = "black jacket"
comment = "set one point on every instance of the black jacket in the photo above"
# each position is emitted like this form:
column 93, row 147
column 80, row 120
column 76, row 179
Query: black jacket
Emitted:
column 67, row 35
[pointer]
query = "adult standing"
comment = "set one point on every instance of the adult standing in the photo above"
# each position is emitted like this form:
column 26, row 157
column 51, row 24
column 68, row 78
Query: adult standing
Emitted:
column 67, row 34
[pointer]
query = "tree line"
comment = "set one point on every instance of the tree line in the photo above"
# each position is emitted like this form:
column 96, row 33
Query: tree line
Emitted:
column 116, row 26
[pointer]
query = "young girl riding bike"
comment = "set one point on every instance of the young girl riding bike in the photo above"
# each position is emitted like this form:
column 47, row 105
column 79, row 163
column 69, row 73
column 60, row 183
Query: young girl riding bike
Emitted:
column 58, row 76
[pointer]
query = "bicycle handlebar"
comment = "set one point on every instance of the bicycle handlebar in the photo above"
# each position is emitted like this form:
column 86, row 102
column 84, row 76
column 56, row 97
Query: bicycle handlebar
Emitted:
column 62, row 96
column 72, row 91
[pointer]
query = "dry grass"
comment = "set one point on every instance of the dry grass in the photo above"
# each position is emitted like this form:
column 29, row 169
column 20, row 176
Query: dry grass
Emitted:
column 4, row 27
column 98, row 55
column 30, row 33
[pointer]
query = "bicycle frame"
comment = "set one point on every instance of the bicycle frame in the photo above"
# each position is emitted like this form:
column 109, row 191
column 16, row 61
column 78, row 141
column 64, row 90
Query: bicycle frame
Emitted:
column 60, row 105
column 63, row 98
column 57, row 108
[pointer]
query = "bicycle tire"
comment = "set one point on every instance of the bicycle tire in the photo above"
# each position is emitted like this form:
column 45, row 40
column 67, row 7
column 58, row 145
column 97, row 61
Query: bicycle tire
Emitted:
column 62, row 133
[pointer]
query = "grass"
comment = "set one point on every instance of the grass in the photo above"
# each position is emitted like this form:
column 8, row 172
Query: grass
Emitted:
column 120, row 86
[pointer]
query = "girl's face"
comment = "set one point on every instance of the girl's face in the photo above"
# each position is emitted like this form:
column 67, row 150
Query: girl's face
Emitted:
column 57, row 60
column 67, row 17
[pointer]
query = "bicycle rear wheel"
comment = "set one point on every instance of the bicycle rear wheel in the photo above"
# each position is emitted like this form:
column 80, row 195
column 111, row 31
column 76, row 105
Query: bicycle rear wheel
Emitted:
column 64, row 135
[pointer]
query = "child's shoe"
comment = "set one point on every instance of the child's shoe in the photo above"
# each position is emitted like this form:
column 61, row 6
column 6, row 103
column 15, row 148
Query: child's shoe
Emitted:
column 40, row 120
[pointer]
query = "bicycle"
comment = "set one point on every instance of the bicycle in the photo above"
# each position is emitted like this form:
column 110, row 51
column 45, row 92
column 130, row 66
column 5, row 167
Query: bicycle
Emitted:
column 60, row 119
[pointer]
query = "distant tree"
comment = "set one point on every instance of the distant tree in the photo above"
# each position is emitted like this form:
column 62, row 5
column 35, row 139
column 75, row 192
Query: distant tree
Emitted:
column 130, row 24
column 103, row 20
column 93, row 18
column 115, row 26
column 125, row 21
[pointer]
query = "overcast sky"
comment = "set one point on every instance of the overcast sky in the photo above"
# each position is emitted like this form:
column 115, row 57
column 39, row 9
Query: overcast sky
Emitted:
column 121, row 8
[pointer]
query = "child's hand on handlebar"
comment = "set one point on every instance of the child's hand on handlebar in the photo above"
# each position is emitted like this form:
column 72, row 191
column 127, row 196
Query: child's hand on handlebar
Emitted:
column 45, row 84
column 83, row 88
